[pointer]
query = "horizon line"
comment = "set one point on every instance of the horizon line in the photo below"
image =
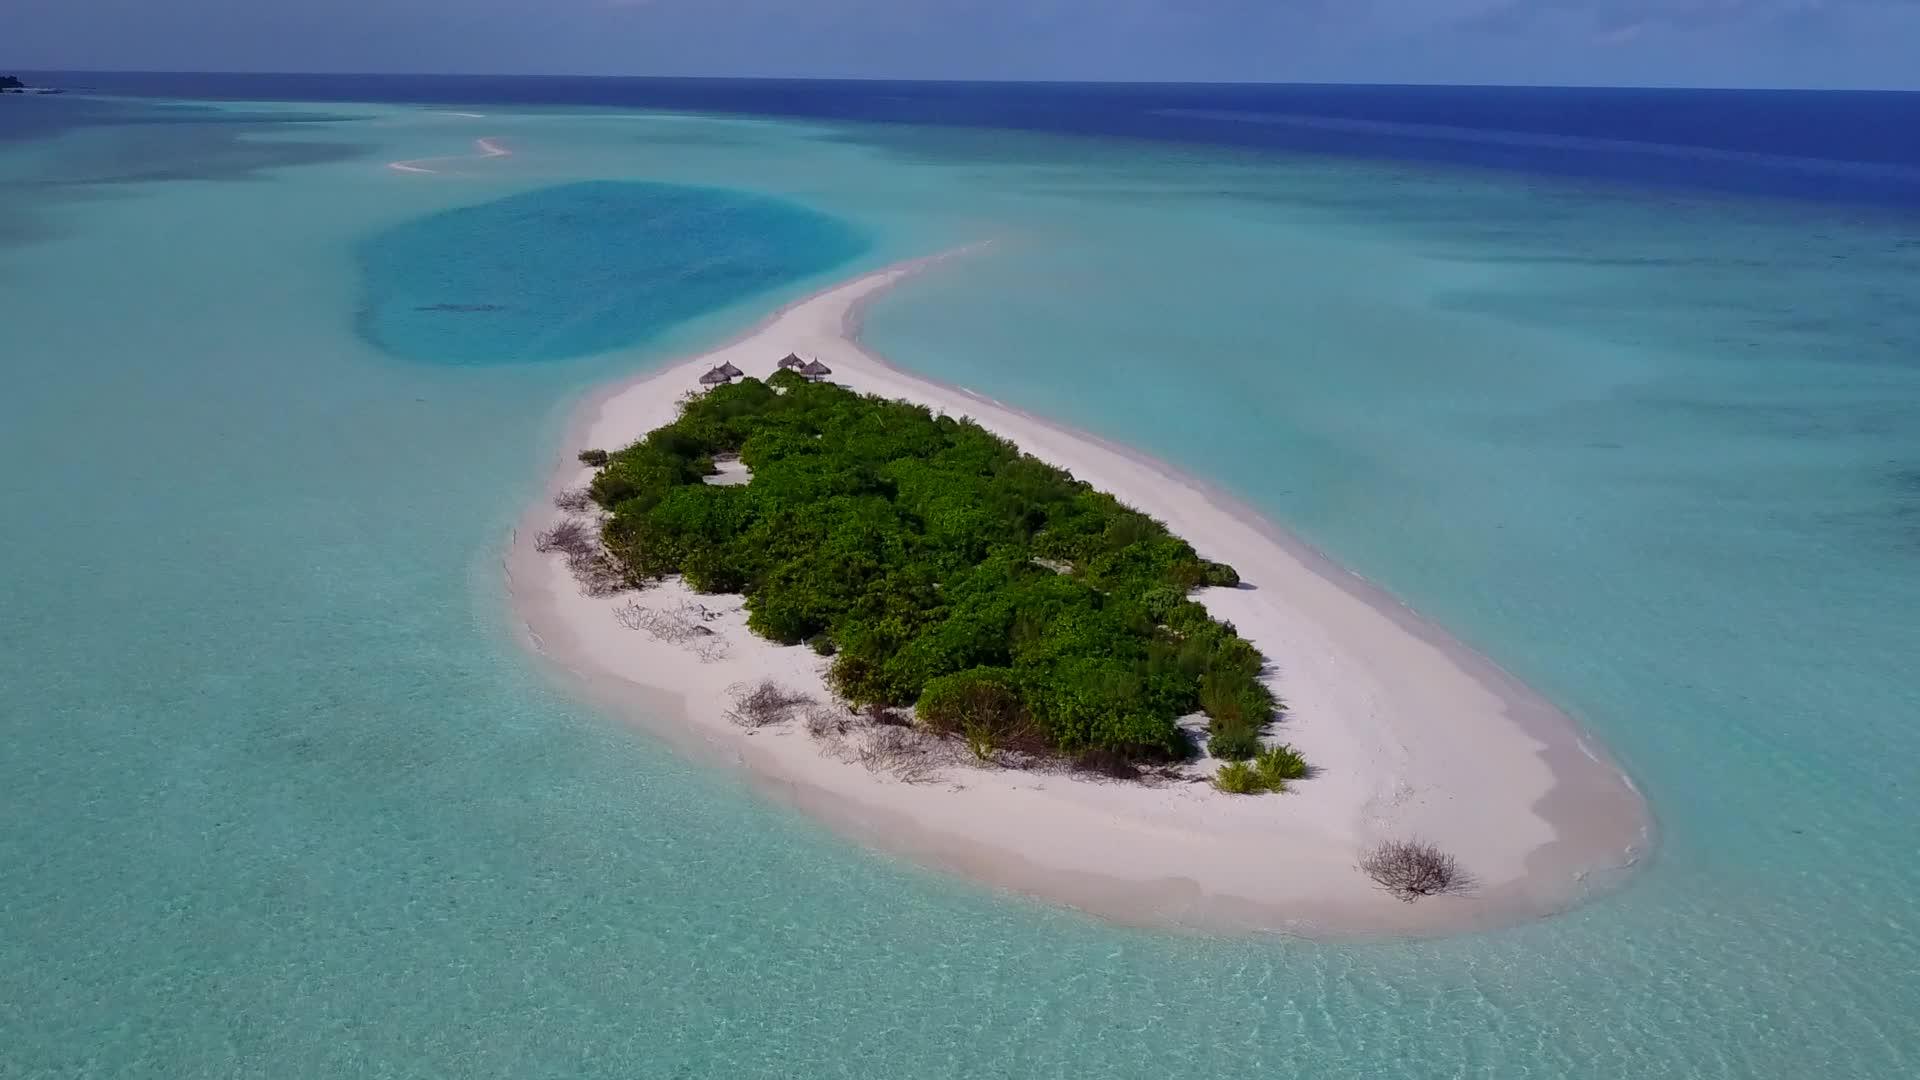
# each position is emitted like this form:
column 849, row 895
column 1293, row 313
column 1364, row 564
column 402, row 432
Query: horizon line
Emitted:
column 970, row 81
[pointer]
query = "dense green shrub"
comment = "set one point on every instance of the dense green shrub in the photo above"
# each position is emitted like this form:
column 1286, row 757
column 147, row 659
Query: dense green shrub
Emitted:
column 1160, row 601
column 1219, row 575
column 981, row 705
column 938, row 565
column 595, row 458
column 1233, row 742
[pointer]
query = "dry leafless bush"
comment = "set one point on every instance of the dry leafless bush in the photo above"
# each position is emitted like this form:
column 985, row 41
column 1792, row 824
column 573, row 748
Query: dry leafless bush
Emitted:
column 903, row 752
column 598, row 573
column 676, row 627
column 1105, row 765
column 695, row 611
column 1411, row 869
column 571, row 536
column 683, row 626
column 832, row 724
column 829, row 722
column 574, row 500
column 758, row 705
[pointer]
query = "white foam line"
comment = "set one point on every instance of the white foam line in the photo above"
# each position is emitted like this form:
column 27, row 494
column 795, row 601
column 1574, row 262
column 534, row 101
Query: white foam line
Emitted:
column 487, row 148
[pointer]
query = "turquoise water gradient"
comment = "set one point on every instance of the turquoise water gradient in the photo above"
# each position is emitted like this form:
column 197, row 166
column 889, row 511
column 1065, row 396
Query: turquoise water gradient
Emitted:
column 282, row 796
column 579, row 269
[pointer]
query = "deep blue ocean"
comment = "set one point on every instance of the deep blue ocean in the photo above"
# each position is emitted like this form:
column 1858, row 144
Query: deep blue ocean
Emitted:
column 1620, row 386
column 1828, row 145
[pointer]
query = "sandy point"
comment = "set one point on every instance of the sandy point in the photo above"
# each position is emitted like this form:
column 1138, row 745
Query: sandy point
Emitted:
column 484, row 148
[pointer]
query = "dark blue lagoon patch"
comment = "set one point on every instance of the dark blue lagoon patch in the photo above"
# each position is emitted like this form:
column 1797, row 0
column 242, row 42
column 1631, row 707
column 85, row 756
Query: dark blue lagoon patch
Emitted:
column 583, row 268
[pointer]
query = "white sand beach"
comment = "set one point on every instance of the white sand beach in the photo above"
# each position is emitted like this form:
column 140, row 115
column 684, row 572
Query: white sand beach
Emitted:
column 1412, row 734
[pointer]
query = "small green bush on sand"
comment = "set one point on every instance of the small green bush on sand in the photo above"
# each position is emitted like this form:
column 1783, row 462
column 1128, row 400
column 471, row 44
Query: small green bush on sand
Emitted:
column 1218, row 575
column 1279, row 764
column 1269, row 770
column 1239, row 778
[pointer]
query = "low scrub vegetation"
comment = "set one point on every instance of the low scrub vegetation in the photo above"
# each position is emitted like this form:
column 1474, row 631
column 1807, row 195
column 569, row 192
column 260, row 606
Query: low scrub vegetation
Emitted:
column 1263, row 770
column 1279, row 764
column 1238, row 778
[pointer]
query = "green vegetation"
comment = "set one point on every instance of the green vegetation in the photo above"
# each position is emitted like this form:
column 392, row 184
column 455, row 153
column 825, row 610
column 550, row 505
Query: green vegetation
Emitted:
column 1238, row 778
column 1269, row 770
column 1014, row 606
column 595, row 458
column 1279, row 764
column 1233, row 742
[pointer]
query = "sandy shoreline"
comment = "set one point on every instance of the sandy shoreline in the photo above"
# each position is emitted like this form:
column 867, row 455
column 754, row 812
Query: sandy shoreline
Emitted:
column 1413, row 734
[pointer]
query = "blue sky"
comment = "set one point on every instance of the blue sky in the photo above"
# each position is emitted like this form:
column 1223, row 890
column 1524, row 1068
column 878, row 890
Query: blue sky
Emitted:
column 1852, row 43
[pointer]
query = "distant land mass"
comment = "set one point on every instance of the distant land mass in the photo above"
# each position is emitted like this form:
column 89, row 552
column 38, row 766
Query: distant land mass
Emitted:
column 11, row 84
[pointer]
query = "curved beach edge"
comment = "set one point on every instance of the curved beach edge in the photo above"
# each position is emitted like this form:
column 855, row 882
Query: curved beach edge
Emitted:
column 1412, row 733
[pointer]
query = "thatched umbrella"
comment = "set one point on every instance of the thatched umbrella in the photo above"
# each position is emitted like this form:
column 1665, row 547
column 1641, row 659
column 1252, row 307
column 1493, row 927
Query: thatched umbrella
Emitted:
column 814, row 369
column 729, row 371
column 715, row 377
column 791, row 360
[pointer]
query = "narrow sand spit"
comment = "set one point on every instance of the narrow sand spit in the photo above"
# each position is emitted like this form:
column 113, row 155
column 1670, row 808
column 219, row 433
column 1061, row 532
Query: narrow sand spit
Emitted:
column 486, row 148
column 1413, row 734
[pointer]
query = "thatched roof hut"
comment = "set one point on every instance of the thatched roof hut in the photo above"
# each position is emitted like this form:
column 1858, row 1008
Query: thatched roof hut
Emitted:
column 814, row 369
column 729, row 371
column 715, row 377
column 791, row 360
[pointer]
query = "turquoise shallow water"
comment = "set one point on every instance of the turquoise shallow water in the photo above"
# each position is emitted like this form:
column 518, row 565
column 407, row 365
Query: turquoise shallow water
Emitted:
column 283, row 797
column 578, row 269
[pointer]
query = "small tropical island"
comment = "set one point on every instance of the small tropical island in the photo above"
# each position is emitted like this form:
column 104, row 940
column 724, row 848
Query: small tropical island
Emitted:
column 955, row 631
column 1001, row 601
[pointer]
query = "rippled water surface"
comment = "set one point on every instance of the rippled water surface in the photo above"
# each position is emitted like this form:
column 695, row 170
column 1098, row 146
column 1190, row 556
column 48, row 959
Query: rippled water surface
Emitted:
column 284, row 797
